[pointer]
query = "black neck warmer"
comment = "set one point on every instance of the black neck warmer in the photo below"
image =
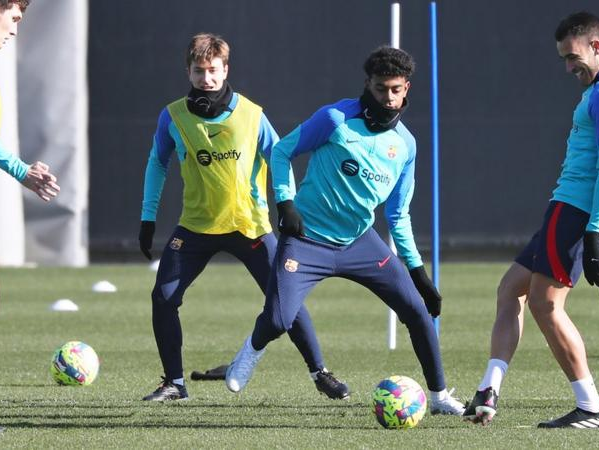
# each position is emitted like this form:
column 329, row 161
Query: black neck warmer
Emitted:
column 376, row 116
column 209, row 104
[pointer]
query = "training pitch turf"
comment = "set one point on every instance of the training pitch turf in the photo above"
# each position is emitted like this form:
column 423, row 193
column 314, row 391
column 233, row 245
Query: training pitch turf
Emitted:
column 280, row 408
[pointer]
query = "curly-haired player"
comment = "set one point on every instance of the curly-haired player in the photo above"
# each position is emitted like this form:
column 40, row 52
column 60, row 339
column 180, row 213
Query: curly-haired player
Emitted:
column 361, row 155
column 223, row 143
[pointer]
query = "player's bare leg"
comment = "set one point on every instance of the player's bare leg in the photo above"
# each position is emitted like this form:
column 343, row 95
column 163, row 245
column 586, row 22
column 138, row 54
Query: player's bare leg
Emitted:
column 546, row 301
column 509, row 321
column 507, row 331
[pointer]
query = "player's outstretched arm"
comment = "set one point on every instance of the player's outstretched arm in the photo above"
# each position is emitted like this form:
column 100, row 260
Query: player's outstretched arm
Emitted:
column 41, row 181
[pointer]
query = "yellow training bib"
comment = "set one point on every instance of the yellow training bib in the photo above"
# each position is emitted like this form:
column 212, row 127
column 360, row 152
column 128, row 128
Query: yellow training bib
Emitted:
column 224, row 175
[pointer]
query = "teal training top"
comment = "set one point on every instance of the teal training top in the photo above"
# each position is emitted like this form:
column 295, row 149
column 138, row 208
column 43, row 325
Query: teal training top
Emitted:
column 578, row 182
column 12, row 165
column 351, row 171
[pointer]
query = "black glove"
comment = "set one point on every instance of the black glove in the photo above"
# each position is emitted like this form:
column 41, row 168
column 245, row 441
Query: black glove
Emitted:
column 146, row 234
column 290, row 222
column 590, row 257
column 218, row 373
column 428, row 291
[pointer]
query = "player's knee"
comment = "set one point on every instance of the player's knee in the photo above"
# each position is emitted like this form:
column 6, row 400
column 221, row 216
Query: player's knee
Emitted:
column 510, row 298
column 414, row 315
column 166, row 295
column 514, row 284
column 508, row 304
column 276, row 317
column 505, row 290
column 269, row 328
column 541, row 307
column 280, row 325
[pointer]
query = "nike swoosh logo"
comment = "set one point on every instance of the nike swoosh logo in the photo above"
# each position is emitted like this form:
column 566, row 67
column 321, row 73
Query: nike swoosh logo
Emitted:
column 210, row 136
column 351, row 141
column 384, row 261
column 256, row 244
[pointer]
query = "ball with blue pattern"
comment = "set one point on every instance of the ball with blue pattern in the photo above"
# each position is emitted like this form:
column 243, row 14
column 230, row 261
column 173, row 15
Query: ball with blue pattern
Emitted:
column 74, row 363
column 398, row 402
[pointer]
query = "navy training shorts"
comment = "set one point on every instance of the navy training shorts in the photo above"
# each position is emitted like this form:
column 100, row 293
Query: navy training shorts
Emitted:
column 556, row 249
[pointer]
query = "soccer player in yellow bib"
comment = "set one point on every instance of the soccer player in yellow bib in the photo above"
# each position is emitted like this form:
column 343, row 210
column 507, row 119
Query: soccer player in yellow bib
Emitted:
column 36, row 176
column 223, row 143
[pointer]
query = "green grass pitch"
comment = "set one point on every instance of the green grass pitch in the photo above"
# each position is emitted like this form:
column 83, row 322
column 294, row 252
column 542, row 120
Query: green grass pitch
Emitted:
column 280, row 408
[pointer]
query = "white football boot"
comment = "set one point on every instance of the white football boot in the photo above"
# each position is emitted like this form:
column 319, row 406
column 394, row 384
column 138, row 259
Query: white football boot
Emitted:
column 447, row 405
column 241, row 368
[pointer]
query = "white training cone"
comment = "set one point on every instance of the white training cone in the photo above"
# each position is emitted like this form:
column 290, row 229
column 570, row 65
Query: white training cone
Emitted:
column 154, row 265
column 104, row 286
column 64, row 304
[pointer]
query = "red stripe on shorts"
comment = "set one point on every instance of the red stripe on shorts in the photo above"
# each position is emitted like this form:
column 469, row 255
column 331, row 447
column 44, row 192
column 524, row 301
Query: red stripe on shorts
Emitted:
column 559, row 273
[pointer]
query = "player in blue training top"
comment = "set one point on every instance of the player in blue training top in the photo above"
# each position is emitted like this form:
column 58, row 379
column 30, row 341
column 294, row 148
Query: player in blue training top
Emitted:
column 36, row 176
column 361, row 155
column 223, row 142
column 543, row 274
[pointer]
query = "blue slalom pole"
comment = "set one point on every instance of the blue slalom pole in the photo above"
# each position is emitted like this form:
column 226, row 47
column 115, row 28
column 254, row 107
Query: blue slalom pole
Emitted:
column 435, row 153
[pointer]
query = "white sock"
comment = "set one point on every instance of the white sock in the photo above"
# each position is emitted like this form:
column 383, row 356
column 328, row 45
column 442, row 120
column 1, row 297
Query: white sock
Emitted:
column 496, row 369
column 586, row 394
column 179, row 381
column 438, row 396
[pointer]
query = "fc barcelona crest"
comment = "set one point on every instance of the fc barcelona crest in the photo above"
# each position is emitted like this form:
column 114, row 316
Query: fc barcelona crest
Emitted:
column 176, row 244
column 392, row 152
column 291, row 265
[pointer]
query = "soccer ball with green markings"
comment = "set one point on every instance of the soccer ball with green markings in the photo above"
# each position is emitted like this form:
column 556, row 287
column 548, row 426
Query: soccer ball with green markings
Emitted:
column 74, row 363
column 398, row 402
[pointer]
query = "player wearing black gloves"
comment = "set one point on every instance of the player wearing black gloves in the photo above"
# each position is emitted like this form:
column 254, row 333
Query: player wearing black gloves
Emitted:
column 590, row 257
column 222, row 142
column 361, row 155
column 428, row 291
column 290, row 222
column 146, row 236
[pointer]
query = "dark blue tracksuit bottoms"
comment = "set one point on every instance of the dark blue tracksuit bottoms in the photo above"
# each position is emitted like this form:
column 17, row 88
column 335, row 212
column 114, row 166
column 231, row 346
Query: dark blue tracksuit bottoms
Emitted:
column 300, row 263
column 183, row 259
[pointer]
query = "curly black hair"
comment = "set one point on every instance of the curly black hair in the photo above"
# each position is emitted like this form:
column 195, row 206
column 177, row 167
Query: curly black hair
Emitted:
column 23, row 4
column 389, row 62
column 577, row 24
